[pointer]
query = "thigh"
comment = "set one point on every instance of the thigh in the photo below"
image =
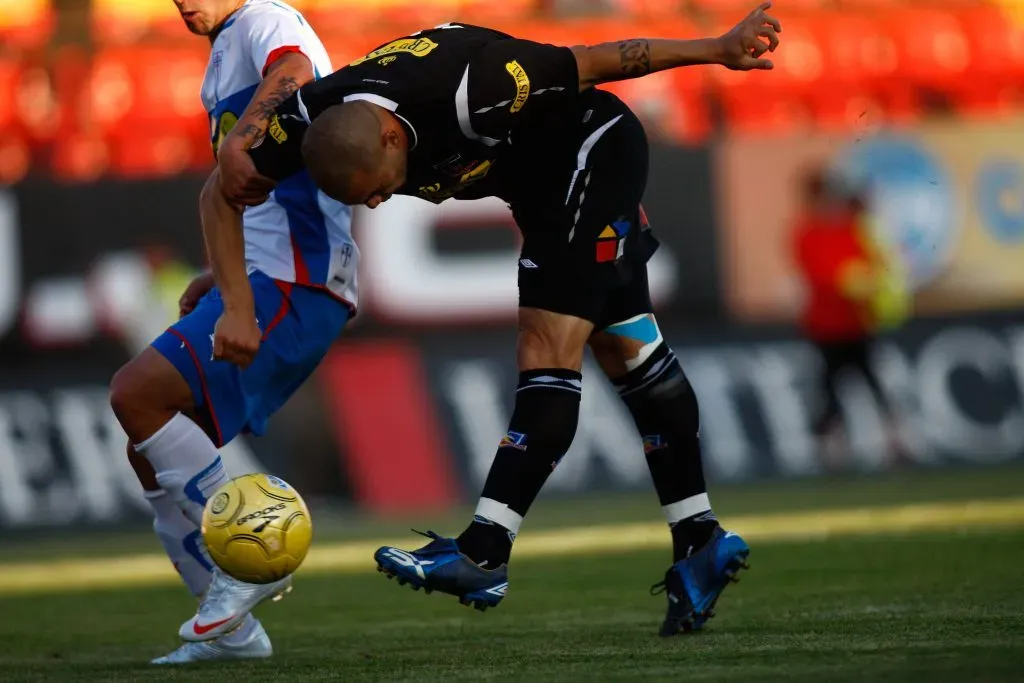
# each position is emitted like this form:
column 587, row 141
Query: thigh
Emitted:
column 594, row 241
column 290, row 351
column 230, row 400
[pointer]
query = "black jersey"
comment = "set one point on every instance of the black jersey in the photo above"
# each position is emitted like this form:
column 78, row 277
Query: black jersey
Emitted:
column 468, row 96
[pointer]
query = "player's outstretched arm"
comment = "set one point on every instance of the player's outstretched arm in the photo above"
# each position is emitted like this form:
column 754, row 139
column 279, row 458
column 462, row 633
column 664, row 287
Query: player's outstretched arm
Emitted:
column 237, row 335
column 239, row 180
column 742, row 48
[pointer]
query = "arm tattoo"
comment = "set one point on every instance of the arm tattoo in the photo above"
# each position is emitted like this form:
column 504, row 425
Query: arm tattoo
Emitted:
column 635, row 57
column 265, row 107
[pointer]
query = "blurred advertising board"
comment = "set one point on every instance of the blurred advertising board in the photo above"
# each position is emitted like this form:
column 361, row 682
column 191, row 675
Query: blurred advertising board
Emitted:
column 74, row 258
column 950, row 194
column 402, row 424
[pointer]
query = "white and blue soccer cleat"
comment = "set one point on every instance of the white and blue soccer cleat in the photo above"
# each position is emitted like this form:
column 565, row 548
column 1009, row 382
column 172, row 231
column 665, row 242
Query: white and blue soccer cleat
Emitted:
column 694, row 584
column 226, row 603
column 441, row 566
column 245, row 643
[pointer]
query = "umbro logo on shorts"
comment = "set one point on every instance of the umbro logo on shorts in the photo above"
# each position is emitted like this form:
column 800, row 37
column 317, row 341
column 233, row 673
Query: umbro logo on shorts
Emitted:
column 527, row 263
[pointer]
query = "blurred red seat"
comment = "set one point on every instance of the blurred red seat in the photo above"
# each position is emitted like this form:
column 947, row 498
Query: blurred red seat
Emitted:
column 150, row 154
column 932, row 47
column 141, row 87
column 995, row 83
column 777, row 99
column 734, row 10
column 26, row 23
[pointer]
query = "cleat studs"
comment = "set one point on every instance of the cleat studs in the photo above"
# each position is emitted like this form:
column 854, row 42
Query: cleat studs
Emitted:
column 428, row 591
column 414, row 587
column 402, row 582
column 480, row 605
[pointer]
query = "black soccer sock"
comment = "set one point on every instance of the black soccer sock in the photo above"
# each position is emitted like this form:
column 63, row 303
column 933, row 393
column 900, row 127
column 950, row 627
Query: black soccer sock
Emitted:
column 541, row 430
column 665, row 410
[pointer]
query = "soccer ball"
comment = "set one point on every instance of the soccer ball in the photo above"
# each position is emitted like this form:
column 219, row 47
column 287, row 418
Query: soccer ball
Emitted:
column 257, row 528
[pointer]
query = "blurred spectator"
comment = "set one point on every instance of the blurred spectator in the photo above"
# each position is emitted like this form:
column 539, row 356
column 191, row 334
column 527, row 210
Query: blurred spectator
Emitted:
column 855, row 288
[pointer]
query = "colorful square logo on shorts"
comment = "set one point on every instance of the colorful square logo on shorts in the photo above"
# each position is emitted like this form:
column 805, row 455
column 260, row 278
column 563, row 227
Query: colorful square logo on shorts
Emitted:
column 513, row 440
column 611, row 242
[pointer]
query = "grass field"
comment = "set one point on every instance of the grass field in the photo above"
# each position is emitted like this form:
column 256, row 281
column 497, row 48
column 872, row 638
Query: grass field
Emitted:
column 945, row 603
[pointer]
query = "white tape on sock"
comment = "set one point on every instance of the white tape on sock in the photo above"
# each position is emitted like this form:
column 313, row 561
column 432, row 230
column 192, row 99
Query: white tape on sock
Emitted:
column 499, row 513
column 686, row 508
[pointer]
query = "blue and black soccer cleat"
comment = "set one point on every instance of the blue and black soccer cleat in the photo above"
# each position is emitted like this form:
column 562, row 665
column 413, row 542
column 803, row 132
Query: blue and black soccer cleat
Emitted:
column 694, row 584
column 440, row 566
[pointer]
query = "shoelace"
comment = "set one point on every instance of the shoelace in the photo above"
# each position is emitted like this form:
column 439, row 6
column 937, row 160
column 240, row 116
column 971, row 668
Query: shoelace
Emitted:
column 659, row 588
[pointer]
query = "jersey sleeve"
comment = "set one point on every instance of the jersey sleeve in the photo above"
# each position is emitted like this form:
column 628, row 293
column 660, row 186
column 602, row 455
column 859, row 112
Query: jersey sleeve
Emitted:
column 278, row 154
column 514, row 82
column 274, row 33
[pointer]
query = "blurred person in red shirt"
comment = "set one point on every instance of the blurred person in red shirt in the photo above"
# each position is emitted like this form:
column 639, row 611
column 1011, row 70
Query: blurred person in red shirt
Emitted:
column 854, row 290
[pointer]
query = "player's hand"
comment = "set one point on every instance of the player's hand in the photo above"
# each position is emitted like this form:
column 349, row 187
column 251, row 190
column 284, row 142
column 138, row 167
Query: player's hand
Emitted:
column 236, row 337
column 743, row 47
column 195, row 291
column 239, row 180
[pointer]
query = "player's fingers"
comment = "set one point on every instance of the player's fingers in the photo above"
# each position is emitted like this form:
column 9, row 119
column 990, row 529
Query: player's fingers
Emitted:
column 760, row 65
column 768, row 33
column 763, row 7
column 773, row 22
column 759, row 48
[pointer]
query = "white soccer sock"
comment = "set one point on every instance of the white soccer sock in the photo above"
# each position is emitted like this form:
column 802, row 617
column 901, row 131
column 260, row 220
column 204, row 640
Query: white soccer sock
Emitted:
column 187, row 464
column 182, row 542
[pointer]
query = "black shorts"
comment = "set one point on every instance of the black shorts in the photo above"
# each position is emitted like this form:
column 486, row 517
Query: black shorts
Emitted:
column 586, row 242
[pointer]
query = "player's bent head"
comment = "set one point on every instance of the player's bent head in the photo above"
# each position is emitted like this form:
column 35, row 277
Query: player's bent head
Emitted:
column 356, row 153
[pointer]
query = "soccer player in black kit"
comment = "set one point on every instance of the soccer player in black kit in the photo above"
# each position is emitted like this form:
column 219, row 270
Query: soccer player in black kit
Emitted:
column 468, row 112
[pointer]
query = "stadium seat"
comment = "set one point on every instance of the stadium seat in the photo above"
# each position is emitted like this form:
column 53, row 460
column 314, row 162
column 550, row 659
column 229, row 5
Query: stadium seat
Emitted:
column 26, row 24
column 399, row 17
column 128, row 21
column 80, row 157
column 141, row 87
column 995, row 84
column 776, row 99
column 933, row 50
column 864, row 79
column 735, row 9
column 154, row 154
column 15, row 159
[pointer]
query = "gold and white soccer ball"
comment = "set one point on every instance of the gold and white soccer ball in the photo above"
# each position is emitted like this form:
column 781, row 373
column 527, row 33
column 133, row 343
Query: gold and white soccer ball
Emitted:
column 257, row 528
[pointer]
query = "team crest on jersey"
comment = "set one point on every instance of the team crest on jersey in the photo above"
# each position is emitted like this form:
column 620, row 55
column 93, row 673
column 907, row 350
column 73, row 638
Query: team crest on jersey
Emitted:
column 518, row 73
column 417, row 47
column 276, row 130
column 611, row 242
column 515, row 440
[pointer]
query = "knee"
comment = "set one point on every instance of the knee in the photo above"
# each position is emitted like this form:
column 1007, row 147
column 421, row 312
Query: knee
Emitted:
column 145, row 393
column 126, row 394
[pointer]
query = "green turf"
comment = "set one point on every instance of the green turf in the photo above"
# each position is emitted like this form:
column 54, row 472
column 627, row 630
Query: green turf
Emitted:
column 842, row 492
column 938, row 607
